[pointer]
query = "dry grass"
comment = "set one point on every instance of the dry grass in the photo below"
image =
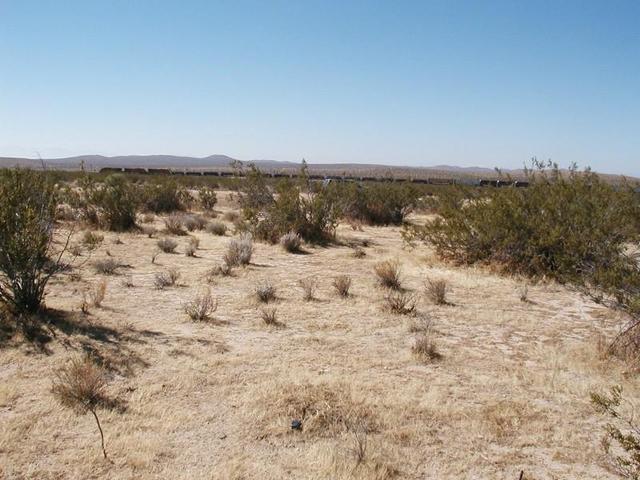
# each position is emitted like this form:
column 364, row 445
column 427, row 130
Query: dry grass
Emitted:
column 167, row 245
column 217, row 228
column 239, row 251
column 97, row 293
column 309, row 286
column 174, row 224
column 342, row 284
column 165, row 279
column 92, row 240
column 425, row 349
column 265, row 292
column 436, row 291
column 401, row 303
column 106, row 266
column 511, row 392
column 201, row 307
column 291, row 242
column 269, row 317
column 388, row 273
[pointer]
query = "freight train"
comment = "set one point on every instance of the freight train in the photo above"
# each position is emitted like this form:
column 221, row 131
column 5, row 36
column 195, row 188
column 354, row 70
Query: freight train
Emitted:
column 319, row 177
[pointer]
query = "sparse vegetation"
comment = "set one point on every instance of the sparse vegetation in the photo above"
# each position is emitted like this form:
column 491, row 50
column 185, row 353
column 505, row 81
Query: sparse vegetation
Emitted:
column 265, row 292
column 425, row 349
column 106, row 266
column 201, row 307
column 401, row 303
column 167, row 245
column 342, row 284
column 98, row 292
column 291, row 242
column 92, row 240
column 436, row 291
column 270, row 316
column 388, row 273
column 207, row 197
column 239, row 251
column 308, row 286
column 174, row 224
column 81, row 386
column 166, row 279
column 217, row 228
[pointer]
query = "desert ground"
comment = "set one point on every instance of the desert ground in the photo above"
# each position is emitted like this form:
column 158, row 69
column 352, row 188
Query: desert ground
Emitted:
column 216, row 399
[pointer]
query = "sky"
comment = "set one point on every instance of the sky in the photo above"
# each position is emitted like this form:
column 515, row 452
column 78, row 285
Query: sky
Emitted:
column 420, row 83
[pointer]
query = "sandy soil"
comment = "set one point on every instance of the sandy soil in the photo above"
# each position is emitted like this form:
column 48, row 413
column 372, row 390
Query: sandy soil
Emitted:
column 216, row 399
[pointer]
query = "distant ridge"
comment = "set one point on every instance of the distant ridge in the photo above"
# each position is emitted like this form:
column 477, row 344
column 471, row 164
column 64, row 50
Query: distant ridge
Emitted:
column 222, row 162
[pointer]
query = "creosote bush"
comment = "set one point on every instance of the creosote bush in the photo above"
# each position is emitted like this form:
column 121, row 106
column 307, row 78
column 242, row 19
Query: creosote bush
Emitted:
column 167, row 245
column 201, row 307
column 165, row 197
column 436, row 291
column 207, row 197
column 379, row 203
column 114, row 203
column 265, row 292
column 28, row 257
column 622, row 430
column 342, row 284
column 291, row 242
column 388, row 273
column 81, row 386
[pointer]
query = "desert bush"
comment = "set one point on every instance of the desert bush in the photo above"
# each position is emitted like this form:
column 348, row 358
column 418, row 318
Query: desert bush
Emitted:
column 312, row 215
column 106, row 266
column 561, row 223
column 523, row 293
column 92, row 240
column 167, row 245
column 217, row 228
column 166, row 279
column 191, row 247
column 194, row 222
column 201, row 307
column 114, row 203
column 308, row 286
column 436, row 291
column 358, row 253
column 222, row 270
column 379, row 203
column 165, row 197
column 174, row 224
column 400, row 302
column 342, row 284
column 98, row 292
column 28, row 257
column 622, row 430
column 81, row 386
column 270, row 316
column 255, row 193
column 148, row 230
column 231, row 216
column 388, row 273
column 265, row 292
column 148, row 218
column 291, row 242
column 425, row 349
column 207, row 197
column 239, row 251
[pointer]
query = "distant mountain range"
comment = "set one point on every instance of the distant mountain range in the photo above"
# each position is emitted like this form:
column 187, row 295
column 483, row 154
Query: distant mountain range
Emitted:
column 222, row 162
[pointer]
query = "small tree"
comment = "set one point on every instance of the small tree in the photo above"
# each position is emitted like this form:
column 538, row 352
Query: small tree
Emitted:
column 27, row 209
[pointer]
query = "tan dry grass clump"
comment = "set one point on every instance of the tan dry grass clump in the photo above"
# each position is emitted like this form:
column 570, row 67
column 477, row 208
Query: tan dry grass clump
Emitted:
column 324, row 409
column 201, row 307
column 400, row 303
column 425, row 348
column 165, row 279
column 308, row 286
column 239, row 251
column 291, row 242
column 388, row 273
column 436, row 291
column 106, row 266
column 342, row 284
column 167, row 245
column 265, row 292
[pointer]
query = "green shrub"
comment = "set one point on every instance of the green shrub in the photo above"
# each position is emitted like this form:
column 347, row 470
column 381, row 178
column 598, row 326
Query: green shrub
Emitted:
column 386, row 203
column 114, row 203
column 27, row 213
column 561, row 225
column 165, row 197
column 207, row 197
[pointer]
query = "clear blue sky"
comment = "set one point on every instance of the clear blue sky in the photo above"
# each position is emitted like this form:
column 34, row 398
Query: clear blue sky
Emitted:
column 395, row 82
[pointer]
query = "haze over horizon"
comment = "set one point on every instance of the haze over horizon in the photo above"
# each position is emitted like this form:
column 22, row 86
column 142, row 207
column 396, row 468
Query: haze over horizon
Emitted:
column 486, row 84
